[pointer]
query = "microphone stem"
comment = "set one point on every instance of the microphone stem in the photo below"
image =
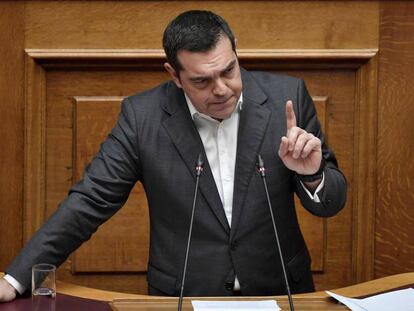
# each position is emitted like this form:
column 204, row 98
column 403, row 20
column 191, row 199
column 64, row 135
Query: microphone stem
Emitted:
column 292, row 308
column 180, row 301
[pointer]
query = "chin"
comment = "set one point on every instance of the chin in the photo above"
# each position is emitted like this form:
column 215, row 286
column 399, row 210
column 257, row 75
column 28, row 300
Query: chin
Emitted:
column 223, row 116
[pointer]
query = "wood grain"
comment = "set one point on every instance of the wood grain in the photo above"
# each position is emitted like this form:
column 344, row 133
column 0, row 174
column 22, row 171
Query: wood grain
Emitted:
column 365, row 170
column 394, row 240
column 11, row 129
column 264, row 24
column 34, row 156
column 90, row 87
column 303, row 302
column 121, row 243
column 362, row 289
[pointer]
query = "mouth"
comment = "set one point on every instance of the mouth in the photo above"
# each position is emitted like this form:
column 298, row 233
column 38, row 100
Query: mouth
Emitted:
column 228, row 100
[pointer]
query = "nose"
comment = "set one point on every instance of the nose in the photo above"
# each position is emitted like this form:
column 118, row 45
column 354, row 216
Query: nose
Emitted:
column 219, row 88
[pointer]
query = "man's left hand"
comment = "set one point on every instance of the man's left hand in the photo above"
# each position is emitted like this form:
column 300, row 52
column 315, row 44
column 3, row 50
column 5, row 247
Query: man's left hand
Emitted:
column 7, row 292
column 299, row 150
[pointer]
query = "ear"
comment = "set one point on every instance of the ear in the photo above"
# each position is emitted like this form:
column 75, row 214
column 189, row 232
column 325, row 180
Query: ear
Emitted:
column 173, row 74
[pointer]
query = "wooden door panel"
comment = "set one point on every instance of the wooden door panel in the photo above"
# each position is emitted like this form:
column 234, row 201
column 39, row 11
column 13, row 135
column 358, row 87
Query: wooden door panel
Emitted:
column 82, row 107
column 121, row 245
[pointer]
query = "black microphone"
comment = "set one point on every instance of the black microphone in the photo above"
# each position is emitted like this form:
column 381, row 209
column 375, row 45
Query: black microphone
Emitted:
column 199, row 169
column 262, row 172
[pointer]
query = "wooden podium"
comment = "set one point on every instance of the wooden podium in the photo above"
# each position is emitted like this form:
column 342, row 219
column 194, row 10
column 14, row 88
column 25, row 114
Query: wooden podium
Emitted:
column 128, row 302
column 312, row 301
column 154, row 304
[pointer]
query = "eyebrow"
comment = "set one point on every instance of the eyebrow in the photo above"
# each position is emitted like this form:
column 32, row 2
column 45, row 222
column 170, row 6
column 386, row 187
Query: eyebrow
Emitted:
column 229, row 66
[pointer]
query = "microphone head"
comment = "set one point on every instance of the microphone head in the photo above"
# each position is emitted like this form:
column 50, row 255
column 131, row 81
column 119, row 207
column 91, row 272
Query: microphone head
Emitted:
column 260, row 165
column 200, row 161
column 199, row 164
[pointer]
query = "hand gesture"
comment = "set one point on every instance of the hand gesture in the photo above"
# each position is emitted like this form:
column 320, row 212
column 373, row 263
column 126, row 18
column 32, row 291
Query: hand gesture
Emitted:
column 299, row 150
column 7, row 292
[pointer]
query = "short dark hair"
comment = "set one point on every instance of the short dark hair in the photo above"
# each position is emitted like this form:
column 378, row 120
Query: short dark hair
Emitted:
column 194, row 31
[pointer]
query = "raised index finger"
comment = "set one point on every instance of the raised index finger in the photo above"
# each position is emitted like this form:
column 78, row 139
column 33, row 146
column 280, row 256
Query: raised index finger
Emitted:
column 290, row 115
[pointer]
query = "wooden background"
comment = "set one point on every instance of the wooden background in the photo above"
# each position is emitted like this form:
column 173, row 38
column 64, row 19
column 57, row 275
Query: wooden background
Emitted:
column 65, row 66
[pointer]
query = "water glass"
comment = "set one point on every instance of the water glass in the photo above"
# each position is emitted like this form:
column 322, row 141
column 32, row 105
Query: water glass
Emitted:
column 43, row 287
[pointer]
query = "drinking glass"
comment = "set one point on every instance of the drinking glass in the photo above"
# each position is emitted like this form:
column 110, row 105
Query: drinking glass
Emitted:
column 43, row 287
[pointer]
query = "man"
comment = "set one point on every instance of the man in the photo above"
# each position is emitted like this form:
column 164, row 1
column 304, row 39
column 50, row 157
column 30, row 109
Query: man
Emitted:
column 216, row 108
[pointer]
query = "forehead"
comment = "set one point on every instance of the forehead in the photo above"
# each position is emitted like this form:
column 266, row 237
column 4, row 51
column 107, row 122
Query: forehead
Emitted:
column 216, row 59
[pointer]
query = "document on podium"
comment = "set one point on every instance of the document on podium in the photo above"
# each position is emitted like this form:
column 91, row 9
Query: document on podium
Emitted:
column 269, row 305
column 402, row 300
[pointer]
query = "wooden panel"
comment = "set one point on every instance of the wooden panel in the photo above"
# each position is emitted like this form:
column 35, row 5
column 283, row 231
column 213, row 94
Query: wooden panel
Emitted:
column 121, row 244
column 340, row 87
column 34, row 146
column 11, row 129
column 256, row 24
column 365, row 166
column 314, row 228
column 394, row 240
column 106, row 75
column 90, row 88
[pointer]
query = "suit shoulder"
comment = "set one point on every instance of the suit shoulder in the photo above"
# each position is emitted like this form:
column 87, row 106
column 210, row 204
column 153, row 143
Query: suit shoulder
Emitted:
column 149, row 99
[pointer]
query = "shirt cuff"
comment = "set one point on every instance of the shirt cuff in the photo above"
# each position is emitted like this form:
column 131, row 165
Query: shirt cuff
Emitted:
column 16, row 284
column 314, row 197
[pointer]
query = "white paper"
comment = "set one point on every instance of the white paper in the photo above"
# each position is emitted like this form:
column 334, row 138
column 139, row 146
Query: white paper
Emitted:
column 401, row 300
column 202, row 305
column 351, row 303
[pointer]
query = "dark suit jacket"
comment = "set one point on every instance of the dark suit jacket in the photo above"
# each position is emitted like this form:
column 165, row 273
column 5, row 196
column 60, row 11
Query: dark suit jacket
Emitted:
column 156, row 142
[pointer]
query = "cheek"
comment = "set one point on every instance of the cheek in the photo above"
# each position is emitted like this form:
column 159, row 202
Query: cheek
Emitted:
column 235, row 86
column 200, row 100
column 202, row 97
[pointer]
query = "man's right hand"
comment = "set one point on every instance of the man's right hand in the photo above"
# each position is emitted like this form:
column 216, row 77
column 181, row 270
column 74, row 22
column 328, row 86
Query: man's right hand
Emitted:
column 7, row 292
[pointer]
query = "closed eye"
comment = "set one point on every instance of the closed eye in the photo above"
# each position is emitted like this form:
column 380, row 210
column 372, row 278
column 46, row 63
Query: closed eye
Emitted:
column 200, row 80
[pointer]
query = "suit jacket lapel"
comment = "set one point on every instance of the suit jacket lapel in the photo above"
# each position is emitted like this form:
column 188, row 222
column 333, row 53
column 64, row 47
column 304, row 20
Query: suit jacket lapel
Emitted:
column 185, row 137
column 254, row 118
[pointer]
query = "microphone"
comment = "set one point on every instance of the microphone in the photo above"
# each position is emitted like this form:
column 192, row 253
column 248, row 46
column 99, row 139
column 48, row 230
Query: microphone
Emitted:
column 262, row 171
column 199, row 169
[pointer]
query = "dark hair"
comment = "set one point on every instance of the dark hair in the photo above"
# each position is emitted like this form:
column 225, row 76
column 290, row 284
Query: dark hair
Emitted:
column 194, row 31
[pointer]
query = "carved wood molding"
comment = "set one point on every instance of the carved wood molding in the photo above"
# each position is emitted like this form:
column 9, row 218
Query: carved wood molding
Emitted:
column 363, row 61
column 242, row 53
column 365, row 170
column 332, row 58
column 34, row 146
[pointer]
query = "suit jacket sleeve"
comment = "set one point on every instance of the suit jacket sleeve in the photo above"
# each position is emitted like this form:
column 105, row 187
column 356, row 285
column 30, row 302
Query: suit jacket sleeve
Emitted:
column 106, row 184
column 333, row 194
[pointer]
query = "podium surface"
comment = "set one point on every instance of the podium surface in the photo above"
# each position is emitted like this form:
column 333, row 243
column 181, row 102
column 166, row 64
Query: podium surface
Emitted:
column 311, row 301
column 301, row 303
